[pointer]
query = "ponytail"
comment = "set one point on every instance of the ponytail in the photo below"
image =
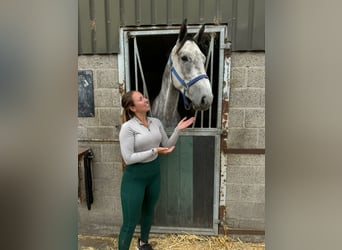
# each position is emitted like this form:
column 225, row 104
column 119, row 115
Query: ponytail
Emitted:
column 127, row 114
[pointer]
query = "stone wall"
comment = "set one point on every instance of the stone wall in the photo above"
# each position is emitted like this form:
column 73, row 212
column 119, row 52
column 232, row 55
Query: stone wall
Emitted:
column 100, row 133
column 245, row 193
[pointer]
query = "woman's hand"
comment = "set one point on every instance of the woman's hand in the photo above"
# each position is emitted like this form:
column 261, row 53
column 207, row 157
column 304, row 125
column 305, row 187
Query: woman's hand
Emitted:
column 185, row 123
column 162, row 150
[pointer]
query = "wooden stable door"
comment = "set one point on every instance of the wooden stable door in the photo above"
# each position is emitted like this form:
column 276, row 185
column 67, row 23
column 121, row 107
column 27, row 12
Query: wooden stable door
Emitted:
column 187, row 182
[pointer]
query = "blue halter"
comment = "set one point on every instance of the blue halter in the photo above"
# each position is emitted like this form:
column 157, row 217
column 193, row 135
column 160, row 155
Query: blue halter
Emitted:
column 186, row 85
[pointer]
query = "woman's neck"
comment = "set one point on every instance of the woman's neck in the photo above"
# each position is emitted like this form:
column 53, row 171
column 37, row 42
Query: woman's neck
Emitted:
column 142, row 118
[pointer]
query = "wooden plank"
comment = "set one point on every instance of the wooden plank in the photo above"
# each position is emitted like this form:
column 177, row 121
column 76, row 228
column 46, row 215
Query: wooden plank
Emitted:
column 177, row 12
column 84, row 31
column 203, row 174
column 145, row 15
column 225, row 11
column 128, row 15
column 209, row 11
column 100, row 22
column 186, row 181
column 175, row 206
column 160, row 12
column 113, row 26
column 242, row 22
column 191, row 11
column 258, row 39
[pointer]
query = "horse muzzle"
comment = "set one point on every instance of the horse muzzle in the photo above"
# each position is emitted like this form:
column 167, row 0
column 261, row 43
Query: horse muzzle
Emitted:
column 204, row 103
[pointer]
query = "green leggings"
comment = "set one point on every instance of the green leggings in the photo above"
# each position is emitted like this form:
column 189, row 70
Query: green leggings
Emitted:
column 140, row 189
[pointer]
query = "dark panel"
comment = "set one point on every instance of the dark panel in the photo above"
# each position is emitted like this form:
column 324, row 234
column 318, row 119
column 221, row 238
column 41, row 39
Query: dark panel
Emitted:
column 85, row 94
column 203, row 174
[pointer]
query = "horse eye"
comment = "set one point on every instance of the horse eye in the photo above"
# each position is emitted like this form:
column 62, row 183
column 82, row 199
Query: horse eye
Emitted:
column 185, row 58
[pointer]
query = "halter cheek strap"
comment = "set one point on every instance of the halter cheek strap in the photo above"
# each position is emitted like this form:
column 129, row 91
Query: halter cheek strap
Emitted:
column 186, row 85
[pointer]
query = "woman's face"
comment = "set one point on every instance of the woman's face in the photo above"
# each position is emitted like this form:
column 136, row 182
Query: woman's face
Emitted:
column 141, row 104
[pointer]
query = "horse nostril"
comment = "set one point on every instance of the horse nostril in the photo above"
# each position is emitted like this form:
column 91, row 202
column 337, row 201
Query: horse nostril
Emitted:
column 203, row 101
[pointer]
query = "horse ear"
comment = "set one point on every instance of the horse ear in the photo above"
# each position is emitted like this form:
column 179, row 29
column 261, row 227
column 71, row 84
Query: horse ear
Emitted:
column 197, row 38
column 183, row 31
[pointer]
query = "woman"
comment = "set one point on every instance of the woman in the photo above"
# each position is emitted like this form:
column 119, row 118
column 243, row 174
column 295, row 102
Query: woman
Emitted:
column 141, row 138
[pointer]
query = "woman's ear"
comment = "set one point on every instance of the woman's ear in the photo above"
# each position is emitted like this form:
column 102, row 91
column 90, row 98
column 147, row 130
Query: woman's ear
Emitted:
column 132, row 108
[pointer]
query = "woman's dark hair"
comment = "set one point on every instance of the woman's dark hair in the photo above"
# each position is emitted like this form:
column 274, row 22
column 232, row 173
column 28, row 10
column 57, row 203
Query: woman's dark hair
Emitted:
column 126, row 103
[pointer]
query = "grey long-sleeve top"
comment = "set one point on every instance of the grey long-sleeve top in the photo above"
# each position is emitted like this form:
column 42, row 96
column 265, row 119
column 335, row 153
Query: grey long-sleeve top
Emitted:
column 137, row 141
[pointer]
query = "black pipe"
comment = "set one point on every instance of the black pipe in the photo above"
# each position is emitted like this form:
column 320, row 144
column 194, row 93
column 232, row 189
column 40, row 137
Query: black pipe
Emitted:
column 88, row 178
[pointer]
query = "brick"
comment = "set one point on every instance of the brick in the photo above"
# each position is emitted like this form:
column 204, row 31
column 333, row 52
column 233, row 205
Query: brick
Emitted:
column 243, row 59
column 244, row 97
column 246, row 159
column 253, row 193
column 97, row 62
column 240, row 175
column 256, row 77
column 242, row 138
column 255, row 118
column 103, row 170
column 100, row 132
column 104, row 97
column 117, row 99
column 238, row 77
column 108, row 116
column 89, row 121
column 246, row 210
column 236, row 118
column 233, row 192
column 261, row 138
column 81, row 132
column 256, row 224
column 106, row 78
column 111, row 153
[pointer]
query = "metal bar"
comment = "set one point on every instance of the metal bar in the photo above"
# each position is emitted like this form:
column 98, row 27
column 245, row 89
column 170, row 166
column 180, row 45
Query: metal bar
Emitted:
column 160, row 30
column 137, row 56
column 98, row 140
column 246, row 151
column 126, row 59
column 135, row 63
column 211, row 70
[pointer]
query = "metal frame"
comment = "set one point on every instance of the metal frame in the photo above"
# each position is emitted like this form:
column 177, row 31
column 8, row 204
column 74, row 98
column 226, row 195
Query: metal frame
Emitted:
column 124, row 78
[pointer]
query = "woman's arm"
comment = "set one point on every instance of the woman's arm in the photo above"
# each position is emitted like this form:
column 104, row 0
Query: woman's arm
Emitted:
column 169, row 142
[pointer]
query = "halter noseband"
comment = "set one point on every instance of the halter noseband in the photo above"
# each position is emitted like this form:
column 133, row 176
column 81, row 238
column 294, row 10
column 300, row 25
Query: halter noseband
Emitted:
column 186, row 85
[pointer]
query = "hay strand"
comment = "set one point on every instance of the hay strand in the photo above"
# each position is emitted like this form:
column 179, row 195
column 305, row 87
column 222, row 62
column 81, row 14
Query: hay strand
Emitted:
column 173, row 241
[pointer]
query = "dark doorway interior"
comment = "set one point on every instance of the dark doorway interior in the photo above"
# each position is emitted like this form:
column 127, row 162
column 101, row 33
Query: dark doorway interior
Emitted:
column 154, row 51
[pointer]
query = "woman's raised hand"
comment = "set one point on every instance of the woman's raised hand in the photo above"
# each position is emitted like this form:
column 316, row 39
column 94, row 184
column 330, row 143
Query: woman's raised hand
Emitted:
column 184, row 123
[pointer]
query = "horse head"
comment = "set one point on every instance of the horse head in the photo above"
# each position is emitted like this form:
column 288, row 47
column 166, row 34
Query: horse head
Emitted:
column 188, row 72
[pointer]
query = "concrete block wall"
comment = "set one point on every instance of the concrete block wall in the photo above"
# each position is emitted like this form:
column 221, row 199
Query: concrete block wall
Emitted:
column 100, row 133
column 245, row 193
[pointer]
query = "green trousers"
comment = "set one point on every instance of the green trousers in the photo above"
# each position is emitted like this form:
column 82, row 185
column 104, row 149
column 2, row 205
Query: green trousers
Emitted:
column 140, row 189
